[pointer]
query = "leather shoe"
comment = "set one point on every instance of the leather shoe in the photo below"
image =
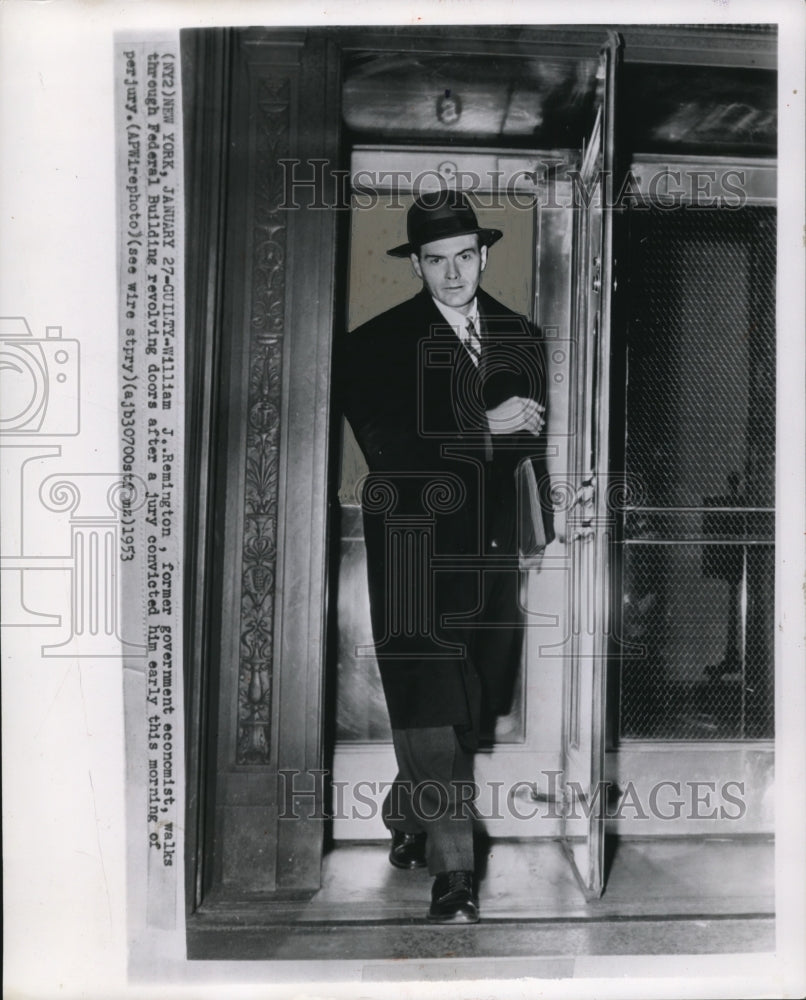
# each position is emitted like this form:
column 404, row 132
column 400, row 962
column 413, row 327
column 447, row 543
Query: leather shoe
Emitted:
column 408, row 850
column 453, row 899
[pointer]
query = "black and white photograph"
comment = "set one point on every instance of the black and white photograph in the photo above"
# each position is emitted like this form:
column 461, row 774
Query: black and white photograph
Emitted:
column 420, row 532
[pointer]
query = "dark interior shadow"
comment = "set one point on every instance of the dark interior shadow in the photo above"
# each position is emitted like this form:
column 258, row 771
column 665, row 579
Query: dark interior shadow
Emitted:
column 482, row 843
column 611, row 846
column 331, row 654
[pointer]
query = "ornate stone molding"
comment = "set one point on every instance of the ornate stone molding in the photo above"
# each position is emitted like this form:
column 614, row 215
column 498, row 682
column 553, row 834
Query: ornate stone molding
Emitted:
column 259, row 550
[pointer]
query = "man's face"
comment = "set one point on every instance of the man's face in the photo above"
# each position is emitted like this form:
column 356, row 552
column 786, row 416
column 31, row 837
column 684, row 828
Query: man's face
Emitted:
column 451, row 269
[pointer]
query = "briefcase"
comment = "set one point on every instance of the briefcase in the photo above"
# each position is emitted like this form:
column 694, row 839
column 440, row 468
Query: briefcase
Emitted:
column 535, row 514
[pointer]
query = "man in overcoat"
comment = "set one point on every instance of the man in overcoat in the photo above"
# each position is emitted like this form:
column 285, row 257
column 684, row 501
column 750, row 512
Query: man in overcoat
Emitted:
column 445, row 394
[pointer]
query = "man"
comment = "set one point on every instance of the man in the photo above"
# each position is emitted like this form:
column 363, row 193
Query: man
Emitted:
column 445, row 395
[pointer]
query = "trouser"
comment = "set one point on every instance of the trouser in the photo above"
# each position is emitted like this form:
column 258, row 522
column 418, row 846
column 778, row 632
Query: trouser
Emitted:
column 433, row 794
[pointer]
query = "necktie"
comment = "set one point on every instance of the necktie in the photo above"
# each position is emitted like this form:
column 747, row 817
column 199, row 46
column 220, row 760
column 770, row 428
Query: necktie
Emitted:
column 473, row 343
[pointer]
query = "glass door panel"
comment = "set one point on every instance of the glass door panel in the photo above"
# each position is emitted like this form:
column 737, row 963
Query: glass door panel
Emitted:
column 588, row 525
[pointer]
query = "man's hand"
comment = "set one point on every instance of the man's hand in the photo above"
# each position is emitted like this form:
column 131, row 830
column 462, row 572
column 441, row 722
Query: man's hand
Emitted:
column 518, row 413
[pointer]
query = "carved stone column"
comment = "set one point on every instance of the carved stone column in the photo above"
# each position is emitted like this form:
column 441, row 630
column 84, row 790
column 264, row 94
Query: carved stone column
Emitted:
column 262, row 664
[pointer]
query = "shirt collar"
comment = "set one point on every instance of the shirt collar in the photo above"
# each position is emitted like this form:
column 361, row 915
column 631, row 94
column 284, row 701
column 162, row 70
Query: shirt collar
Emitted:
column 459, row 320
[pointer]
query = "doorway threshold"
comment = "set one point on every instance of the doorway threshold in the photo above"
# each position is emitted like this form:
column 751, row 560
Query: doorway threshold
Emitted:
column 682, row 895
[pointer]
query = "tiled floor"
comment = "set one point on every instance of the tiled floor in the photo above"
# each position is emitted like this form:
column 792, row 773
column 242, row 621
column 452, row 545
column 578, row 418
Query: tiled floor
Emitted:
column 663, row 896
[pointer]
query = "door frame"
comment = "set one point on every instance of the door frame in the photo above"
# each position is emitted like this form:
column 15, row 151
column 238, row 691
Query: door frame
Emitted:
column 243, row 90
column 238, row 844
column 516, row 778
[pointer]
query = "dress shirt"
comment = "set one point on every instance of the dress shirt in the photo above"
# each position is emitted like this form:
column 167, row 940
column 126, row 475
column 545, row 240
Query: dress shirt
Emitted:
column 459, row 323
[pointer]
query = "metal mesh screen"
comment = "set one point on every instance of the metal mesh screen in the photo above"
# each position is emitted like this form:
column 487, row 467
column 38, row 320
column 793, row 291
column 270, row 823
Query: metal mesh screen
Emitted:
column 697, row 561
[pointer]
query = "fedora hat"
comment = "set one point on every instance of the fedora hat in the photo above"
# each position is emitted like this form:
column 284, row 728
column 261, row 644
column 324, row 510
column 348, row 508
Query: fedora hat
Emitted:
column 439, row 216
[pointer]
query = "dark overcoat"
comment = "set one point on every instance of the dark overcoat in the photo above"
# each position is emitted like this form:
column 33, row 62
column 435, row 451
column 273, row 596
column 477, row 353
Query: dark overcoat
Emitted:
column 440, row 504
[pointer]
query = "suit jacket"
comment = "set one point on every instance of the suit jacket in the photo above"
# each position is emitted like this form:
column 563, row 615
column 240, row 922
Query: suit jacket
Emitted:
column 440, row 503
